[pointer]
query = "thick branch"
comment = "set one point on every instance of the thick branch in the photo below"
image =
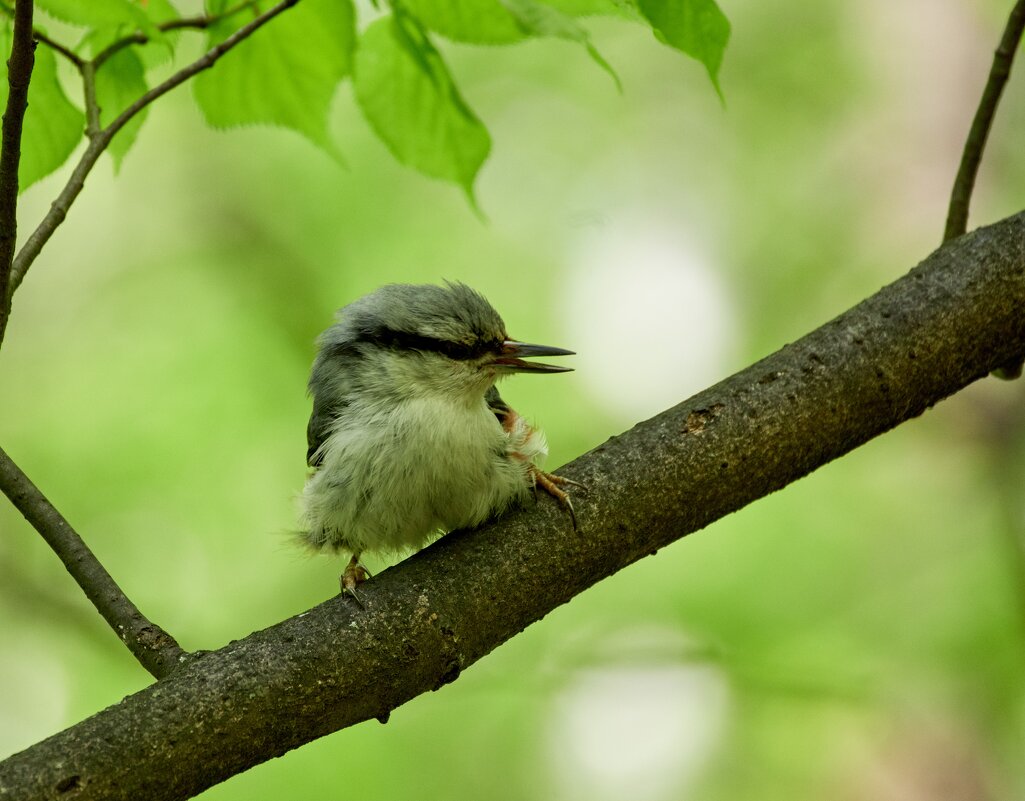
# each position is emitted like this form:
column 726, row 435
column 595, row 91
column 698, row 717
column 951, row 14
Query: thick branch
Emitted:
column 151, row 645
column 949, row 322
column 19, row 73
column 59, row 208
column 957, row 214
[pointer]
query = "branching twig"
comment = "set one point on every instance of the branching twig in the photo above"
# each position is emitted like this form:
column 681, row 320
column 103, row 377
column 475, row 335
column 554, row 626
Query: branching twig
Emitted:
column 200, row 22
column 39, row 36
column 59, row 208
column 152, row 646
column 957, row 214
column 19, row 74
column 57, row 47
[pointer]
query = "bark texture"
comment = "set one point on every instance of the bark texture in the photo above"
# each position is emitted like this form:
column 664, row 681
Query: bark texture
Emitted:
column 954, row 318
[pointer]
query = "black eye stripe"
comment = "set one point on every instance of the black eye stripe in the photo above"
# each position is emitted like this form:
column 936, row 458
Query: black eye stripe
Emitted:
column 404, row 340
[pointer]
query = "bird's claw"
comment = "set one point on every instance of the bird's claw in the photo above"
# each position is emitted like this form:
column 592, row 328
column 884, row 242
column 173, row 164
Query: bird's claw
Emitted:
column 562, row 481
column 351, row 592
column 353, row 575
column 552, row 484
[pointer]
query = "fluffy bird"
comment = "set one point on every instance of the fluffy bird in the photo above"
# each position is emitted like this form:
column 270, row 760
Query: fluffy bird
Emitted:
column 409, row 437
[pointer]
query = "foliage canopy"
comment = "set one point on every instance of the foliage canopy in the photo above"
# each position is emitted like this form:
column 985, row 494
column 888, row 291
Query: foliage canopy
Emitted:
column 288, row 73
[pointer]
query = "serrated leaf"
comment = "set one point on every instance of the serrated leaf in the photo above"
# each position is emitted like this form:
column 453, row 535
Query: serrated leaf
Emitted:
column 216, row 7
column 695, row 27
column 159, row 49
column 52, row 127
column 408, row 97
column 100, row 13
column 112, row 20
column 156, row 51
column 120, row 81
column 471, row 21
column 494, row 22
column 539, row 19
column 589, row 8
column 284, row 74
column 161, row 10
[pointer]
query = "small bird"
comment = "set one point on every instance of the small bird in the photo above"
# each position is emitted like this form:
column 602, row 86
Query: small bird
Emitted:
column 409, row 437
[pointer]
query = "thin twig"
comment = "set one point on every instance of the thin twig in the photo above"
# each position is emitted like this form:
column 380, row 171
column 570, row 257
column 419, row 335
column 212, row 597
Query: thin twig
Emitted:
column 200, row 22
column 53, row 44
column 57, row 47
column 92, row 107
column 957, row 215
column 19, row 74
column 59, row 208
column 155, row 649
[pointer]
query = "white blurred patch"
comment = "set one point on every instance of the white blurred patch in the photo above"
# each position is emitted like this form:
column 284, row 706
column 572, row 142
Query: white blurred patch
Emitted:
column 636, row 731
column 649, row 315
column 34, row 703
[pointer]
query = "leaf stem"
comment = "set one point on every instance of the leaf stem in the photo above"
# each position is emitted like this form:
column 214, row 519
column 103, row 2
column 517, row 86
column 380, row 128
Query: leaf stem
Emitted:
column 957, row 214
column 155, row 649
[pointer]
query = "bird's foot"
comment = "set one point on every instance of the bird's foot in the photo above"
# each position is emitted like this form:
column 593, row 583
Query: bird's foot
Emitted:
column 353, row 575
column 553, row 484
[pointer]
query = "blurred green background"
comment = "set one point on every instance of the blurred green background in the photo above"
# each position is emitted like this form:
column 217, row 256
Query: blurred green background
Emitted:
column 860, row 635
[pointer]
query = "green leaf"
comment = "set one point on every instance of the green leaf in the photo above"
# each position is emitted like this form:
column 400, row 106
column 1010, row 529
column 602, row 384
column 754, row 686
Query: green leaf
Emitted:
column 101, row 14
column 120, row 81
column 542, row 20
column 52, row 125
column 506, row 21
column 160, row 47
column 408, row 97
column 215, row 8
column 471, row 21
column 589, row 8
column 695, row 27
column 284, row 74
column 158, row 50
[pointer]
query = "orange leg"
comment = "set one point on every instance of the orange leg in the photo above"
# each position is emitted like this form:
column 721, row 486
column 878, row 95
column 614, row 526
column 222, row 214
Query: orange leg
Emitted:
column 353, row 575
column 552, row 484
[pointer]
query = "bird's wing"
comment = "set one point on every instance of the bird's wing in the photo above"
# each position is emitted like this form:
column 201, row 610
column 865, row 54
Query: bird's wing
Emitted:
column 319, row 428
column 499, row 407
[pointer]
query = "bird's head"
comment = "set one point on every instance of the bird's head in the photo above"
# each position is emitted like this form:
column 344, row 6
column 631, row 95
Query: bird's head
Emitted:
column 420, row 339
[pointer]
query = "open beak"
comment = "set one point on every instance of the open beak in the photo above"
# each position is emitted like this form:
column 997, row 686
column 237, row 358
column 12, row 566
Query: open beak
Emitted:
column 513, row 353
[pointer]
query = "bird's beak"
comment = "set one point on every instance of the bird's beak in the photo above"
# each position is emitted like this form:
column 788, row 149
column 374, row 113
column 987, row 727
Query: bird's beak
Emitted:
column 513, row 352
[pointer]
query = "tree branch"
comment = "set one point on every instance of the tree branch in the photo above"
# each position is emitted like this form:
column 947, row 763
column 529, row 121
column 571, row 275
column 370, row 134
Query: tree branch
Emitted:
column 961, row 195
column 92, row 107
column 59, row 209
column 19, row 74
column 57, row 47
column 155, row 649
column 39, row 36
column 936, row 330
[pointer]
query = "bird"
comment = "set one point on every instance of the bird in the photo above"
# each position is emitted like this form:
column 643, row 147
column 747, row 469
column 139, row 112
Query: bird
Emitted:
column 409, row 437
